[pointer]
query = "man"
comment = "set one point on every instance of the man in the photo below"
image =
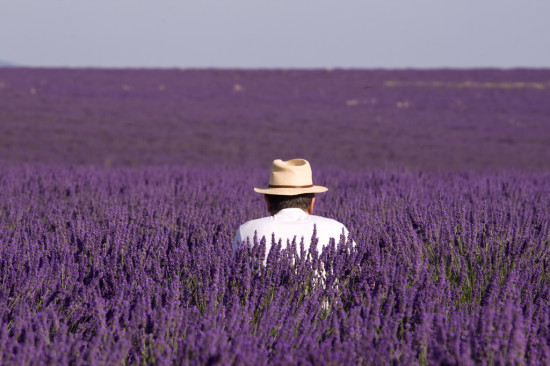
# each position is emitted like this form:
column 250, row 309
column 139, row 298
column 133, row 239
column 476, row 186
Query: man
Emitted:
column 290, row 198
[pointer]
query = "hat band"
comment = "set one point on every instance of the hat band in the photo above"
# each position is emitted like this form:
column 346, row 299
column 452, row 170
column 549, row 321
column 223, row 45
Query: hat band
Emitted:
column 278, row 186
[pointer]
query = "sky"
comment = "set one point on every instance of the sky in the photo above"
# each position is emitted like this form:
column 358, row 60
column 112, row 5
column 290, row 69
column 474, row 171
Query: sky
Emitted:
column 276, row 33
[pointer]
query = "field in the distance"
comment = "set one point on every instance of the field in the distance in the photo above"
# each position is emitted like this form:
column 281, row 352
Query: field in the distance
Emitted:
column 121, row 190
column 430, row 120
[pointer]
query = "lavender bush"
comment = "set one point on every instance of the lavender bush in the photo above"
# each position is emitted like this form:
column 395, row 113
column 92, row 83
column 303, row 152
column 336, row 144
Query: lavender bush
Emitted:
column 134, row 265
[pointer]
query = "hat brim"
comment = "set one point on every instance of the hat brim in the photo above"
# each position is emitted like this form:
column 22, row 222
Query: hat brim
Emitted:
column 291, row 191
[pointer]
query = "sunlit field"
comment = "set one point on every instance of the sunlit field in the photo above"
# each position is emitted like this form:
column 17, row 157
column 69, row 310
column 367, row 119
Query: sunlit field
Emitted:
column 121, row 190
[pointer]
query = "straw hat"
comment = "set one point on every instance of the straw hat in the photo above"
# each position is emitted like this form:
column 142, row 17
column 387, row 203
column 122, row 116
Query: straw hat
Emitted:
column 290, row 178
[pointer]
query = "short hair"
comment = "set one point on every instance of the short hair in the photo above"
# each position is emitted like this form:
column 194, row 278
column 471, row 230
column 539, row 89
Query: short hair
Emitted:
column 278, row 202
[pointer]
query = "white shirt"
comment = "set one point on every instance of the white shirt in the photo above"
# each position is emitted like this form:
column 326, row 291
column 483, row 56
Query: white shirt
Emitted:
column 289, row 223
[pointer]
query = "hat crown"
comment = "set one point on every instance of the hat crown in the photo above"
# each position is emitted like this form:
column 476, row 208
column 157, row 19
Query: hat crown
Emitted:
column 295, row 172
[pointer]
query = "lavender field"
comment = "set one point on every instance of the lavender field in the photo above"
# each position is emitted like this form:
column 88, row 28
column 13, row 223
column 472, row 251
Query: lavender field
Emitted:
column 439, row 120
column 121, row 190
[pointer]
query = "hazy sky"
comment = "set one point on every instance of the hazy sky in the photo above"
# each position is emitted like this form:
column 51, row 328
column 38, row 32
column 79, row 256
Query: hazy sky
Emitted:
column 276, row 33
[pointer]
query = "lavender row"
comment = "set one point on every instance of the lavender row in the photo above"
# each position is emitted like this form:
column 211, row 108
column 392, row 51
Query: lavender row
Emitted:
column 134, row 265
column 437, row 120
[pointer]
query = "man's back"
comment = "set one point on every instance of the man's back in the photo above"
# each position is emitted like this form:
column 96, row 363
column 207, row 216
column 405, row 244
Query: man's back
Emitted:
column 290, row 197
column 289, row 223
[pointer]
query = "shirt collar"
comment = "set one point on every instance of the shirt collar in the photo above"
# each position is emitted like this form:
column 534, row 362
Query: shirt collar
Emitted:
column 292, row 213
